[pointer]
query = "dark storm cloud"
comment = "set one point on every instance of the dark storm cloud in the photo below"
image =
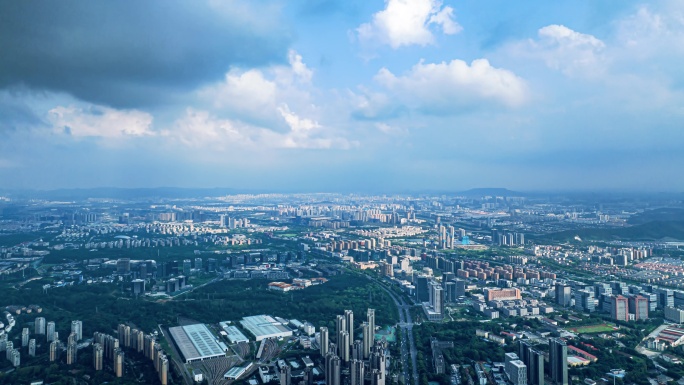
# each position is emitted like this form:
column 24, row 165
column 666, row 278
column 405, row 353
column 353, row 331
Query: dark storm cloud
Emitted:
column 130, row 53
column 15, row 114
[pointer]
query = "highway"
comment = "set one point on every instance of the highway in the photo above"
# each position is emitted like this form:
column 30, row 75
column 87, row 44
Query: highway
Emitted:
column 406, row 327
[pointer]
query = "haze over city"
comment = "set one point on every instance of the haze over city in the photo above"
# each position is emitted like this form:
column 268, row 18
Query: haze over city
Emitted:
column 341, row 192
column 324, row 95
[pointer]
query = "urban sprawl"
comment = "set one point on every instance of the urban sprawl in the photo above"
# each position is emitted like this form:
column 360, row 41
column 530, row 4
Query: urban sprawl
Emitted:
column 485, row 287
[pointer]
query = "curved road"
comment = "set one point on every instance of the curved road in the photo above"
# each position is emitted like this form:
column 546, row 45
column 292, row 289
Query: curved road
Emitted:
column 406, row 325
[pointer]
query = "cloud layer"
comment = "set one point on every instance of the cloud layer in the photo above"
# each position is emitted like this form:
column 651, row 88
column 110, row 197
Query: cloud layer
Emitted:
column 265, row 94
column 454, row 86
column 128, row 53
column 409, row 22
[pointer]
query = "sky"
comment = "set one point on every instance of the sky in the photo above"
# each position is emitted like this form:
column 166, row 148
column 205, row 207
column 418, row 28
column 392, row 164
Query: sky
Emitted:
column 343, row 95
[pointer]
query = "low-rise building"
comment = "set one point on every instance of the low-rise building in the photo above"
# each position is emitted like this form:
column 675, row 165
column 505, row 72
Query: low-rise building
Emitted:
column 281, row 286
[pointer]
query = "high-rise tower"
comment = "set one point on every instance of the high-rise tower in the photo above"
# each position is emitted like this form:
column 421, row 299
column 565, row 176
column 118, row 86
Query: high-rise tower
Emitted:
column 54, row 351
column 332, row 369
column 72, row 353
column 118, row 363
column 344, row 346
column 370, row 318
column 39, row 326
column 558, row 361
column 98, row 356
column 349, row 322
column 50, row 331
column 367, row 339
column 24, row 337
column 32, row 347
column 357, row 372
column 324, row 341
column 77, row 327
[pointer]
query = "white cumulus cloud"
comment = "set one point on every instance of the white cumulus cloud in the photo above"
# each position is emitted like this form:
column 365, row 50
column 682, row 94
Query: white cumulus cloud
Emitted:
column 255, row 94
column 648, row 43
column 255, row 108
column 306, row 133
column 450, row 87
column 245, row 91
column 100, row 121
column 569, row 51
column 201, row 129
column 649, row 32
column 298, row 67
column 409, row 22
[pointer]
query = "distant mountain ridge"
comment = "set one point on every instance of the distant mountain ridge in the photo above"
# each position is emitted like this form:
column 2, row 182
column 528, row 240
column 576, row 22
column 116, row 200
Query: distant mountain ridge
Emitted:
column 659, row 214
column 127, row 193
column 491, row 191
column 188, row 193
column 69, row 194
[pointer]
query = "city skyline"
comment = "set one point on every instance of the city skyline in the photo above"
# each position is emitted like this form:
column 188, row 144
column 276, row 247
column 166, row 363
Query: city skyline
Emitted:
column 320, row 95
column 360, row 289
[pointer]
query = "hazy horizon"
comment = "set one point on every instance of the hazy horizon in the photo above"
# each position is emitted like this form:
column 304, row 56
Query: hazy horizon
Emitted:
column 77, row 193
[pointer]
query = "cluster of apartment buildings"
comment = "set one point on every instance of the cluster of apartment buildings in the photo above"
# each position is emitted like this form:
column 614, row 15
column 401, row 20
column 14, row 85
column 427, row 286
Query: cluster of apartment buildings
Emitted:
column 482, row 270
column 47, row 329
column 352, row 361
column 527, row 367
column 507, row 302
column 623, row 302
column 108, row 347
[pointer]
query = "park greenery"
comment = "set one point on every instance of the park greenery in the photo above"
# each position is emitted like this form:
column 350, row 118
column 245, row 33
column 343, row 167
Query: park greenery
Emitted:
column 318, row 304
column 612, row 355
column 101, row 307
column 657, row 230
column 467, row 346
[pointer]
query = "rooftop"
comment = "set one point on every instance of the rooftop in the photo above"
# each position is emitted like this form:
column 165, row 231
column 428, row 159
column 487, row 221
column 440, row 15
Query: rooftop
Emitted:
column 265, row 326
column 196, row 342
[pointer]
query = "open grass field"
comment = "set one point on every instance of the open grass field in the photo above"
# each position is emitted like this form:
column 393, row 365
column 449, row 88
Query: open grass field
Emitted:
column 598, row 328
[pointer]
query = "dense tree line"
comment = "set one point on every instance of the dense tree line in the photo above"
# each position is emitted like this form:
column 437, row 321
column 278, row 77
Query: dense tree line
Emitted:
column 318, row 304
column 611, row 356
column 467, row 346
column 101, row 309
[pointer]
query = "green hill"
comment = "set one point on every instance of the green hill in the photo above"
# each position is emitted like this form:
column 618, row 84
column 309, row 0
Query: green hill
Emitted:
column 662, row 214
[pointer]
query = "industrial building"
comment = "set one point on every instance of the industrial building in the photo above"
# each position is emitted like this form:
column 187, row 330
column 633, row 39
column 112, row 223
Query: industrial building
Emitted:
column 235, row 372
column 265, row 326
column 233, row 334
column 196, row 342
